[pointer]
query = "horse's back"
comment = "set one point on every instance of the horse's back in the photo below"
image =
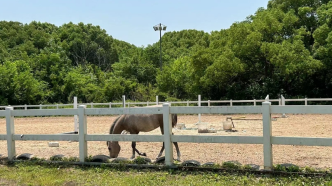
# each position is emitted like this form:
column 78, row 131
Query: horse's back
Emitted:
column 142, row 122
column 145, row 122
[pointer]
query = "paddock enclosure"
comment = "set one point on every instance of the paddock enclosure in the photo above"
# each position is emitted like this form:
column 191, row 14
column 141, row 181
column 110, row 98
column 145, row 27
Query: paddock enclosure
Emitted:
column 299, row 125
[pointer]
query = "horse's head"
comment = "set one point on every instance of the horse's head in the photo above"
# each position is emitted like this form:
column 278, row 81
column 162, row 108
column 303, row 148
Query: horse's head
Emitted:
column 114, row 149
column 113, row 146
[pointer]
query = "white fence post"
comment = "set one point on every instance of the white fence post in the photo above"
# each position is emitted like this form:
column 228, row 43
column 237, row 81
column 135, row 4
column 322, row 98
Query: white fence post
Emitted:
column 199, row 104
column 110, row 104
column 123, row 101
column 10, row 133
column 187, row 103
column 57, row 106
column 208, row 102
column 267, row 132
column 25, row 107
column 230, row 102
column 40, row 106
column 283, row 103
column 305, row 101
column 147, row 103
column 167, row 134
column 82, row 132
column 157, row 101
column 254, row 102
column 75, row 116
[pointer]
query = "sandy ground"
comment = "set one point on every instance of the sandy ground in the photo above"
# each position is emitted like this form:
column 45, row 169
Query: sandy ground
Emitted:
column 294, row 125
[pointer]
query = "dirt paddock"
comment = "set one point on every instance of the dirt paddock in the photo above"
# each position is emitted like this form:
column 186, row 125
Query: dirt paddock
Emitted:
column 294, row 125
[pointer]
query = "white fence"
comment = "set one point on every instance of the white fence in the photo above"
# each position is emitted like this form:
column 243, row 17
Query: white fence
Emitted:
column 280, row 101
column 266, row 109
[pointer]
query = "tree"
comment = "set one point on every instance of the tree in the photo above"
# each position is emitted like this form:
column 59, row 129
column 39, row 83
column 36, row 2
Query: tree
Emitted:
column 175, row 79
column 18, row 86
column 88, row 44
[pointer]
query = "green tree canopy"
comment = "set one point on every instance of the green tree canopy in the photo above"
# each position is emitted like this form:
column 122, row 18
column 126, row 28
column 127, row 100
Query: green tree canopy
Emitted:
column 285, row 48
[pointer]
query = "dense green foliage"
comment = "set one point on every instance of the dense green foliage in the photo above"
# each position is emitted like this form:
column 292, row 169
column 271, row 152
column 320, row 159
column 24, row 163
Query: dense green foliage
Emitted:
column 283, row 49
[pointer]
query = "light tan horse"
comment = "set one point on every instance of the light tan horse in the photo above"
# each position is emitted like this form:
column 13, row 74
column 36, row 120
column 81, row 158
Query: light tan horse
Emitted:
column 135, row 124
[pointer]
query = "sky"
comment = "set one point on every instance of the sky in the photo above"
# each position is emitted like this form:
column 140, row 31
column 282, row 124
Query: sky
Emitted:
column 133, row 20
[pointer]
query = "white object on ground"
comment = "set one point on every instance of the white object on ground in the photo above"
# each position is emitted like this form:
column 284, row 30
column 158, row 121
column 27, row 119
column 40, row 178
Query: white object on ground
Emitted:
column 53, row 144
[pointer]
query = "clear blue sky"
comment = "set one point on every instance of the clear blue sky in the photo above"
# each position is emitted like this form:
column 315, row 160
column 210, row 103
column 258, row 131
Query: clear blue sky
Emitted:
column 133, row 20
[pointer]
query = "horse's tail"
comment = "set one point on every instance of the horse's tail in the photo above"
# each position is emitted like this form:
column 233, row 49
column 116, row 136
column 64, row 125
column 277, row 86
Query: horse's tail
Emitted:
column 174, row 120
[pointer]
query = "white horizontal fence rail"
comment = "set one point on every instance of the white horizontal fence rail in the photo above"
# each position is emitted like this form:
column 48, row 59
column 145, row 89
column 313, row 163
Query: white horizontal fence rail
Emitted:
column 266, row 109
column 45, row 137
column 281, row 101
column 217, row 110
column 298, row 109
column 120, row 137
column 307, row 141
column 218, row 139
column 3, row 137
column 44, row 112
column 148, row 103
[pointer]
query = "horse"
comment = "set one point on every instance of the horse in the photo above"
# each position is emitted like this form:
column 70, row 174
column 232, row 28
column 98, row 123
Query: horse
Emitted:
column 135, row 124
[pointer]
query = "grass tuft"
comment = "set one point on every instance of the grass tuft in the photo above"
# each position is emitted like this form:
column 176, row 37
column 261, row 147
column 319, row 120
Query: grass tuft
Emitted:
column 287, row 168
column 139, row 160
column 231, row 165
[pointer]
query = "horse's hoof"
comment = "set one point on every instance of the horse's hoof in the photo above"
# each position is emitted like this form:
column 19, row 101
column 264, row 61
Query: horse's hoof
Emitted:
column 160, row 159
column 144, row 154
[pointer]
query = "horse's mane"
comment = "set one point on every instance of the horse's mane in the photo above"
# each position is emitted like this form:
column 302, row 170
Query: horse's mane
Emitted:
column 113, row 125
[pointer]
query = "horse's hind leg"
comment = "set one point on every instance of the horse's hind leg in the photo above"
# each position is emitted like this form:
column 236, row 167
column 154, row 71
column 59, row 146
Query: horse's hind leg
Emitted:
column 161, row 150
column 133, row 146
column 176, row 147
column 177, row 150
column 163, row 147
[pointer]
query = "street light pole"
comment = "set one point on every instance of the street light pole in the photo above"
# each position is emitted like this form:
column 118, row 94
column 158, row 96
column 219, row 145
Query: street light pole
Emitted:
column 160, row 27
column 161, row 60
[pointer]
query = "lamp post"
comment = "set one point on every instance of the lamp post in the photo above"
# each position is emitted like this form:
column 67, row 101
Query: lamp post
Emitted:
column 160, row 27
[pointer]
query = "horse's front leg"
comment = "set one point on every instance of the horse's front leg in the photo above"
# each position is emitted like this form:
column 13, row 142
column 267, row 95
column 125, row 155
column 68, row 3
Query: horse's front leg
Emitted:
column 133, row 145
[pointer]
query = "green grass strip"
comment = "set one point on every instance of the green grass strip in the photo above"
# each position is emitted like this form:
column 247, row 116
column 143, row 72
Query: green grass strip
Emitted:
column 27, row 173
